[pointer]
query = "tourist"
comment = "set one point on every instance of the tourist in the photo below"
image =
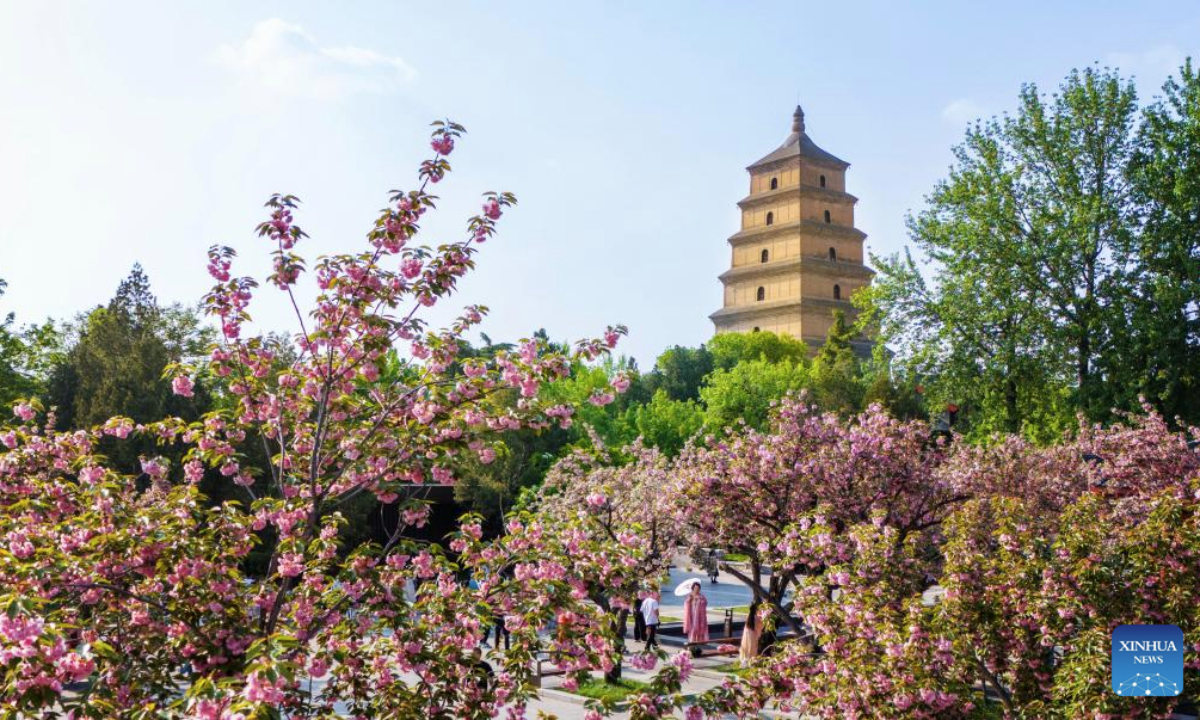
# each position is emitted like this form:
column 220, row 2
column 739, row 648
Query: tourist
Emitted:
column 498, row 617
column 498, row 622
column 695, row 618
column 650, row 616
column 639, row 623
column 749, row 648
column 481, row 674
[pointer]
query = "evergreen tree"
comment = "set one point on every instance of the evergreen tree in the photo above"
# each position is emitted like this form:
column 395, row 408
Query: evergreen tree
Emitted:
column 836, row 378
column 115, row 366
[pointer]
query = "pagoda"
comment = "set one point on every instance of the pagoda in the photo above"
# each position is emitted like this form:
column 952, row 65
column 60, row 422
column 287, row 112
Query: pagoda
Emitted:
column 797, row 257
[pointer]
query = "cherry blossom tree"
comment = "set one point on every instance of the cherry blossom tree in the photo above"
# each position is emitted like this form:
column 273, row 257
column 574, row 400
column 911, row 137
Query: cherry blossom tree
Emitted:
column 750, row 491
column 632, row 504
column 1127, row 462
column 128, row 596
column 1026, row 617
column 1036, row 571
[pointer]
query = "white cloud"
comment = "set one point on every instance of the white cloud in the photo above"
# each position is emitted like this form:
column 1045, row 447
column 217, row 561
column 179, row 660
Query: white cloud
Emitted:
column 281, row 57
column 962, row 111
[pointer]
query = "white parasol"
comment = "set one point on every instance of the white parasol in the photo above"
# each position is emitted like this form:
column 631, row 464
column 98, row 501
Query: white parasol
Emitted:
column 685, row 587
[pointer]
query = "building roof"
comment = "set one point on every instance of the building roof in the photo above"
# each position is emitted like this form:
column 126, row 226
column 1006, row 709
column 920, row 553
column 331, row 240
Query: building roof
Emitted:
column 799, row 144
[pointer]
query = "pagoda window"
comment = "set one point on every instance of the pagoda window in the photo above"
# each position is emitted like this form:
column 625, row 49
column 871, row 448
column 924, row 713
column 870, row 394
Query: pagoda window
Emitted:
column 837, row 292
column 822, row 181
column 832, row 254
column 762, row 294
column 770, row 218
column 774, row 183
column 766, row 255
column 828, row 217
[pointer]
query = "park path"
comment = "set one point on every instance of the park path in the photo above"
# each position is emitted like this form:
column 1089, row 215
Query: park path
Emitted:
column 726, row 593
column 568, row 707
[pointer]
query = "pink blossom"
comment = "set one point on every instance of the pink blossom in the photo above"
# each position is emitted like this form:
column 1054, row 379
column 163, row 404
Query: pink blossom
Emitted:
column 259, row 689
column 153, row 468
column 24, row 411
column 601, row 399
column 193, row 471
column 183, row 385
column 683, row 661
column 291, row 564
column 91, row 474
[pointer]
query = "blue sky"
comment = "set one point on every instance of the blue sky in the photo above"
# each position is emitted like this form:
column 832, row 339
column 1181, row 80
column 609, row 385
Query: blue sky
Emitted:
column 148, row 131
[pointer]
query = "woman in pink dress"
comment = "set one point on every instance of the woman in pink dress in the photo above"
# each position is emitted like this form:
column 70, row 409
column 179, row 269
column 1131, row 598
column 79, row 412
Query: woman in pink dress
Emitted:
column 695, row 616
column 750, row 634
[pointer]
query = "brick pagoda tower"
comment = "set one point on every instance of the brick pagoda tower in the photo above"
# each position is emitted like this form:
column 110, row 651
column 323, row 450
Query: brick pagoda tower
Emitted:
column 798, row 256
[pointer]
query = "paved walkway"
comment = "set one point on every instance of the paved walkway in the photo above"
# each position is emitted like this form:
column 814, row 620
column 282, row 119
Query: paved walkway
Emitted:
column 726, row 592
column 568, row 707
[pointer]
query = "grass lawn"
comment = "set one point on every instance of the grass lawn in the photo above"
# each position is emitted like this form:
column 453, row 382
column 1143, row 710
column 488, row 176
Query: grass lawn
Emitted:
column 598, row 689
column 734, row 669
column 736, row 557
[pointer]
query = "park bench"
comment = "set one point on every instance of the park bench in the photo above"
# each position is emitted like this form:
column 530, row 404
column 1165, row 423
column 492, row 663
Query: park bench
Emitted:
column 718, row 641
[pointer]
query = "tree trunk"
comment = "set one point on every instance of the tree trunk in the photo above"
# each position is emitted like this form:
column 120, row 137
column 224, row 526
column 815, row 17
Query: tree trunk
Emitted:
column 1012, row 419
column 1085, row 352
column 619, row 621
column 772, row 595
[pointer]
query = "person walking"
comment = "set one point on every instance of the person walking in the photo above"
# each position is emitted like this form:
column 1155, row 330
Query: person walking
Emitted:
column 695, row 618
column 501, row 630
column 650, row 616
column 639, row 623
column 749, row 647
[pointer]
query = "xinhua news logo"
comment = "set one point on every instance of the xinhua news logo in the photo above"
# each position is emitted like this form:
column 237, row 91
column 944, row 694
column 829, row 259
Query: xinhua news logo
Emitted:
column 1147, row 660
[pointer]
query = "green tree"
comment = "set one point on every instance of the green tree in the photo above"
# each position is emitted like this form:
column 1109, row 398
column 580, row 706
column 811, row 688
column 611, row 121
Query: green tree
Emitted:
column 898, row 394
column 729, row 349
column 836, row 377
column 492, row 489
column 613, row 422
column 1029, row 238
column 748, row 390
column 13, row 383
column 115, row 365
column 680, row 371
column 1160, row 358
column 668, row 424
column 970, row 342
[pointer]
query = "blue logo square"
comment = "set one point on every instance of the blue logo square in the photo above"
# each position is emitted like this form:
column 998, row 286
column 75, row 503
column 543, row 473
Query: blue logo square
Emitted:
column 1147, row 660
